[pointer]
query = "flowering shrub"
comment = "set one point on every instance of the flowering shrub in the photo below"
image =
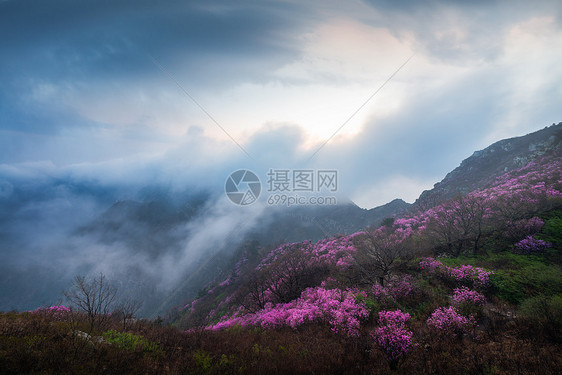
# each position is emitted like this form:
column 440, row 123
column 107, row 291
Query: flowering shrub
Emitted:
column 226, row 282
column 530, row 245
column 431, row 265
column 464, row 295
column 392, row 335
column 393, row 318
column 463, row 274
column 335, row 251
column 337, row 307
column 57, row 312
column 482, row 279
column 380, row 292
column 468, row 302
column 396, row 289
column 449, row 321
column 402, row 287
column 467, row 274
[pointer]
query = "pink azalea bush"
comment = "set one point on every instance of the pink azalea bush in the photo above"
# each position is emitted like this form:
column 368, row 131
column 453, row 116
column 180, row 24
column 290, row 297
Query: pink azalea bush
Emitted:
column 395, row 290
column 530, row 245
column 333, row 251
column 468, row 302
column 393, row 318
column 58, row 312
column 391, row 334
column 402, row 287
column 463, row 274
column 464, row 295
column 448, row 320
column 431, row 265
column 380, row 292
column 337, row 307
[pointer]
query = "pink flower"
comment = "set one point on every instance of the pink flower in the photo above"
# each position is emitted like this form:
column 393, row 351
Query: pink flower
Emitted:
column 465, row 295
column 337, row 307
column 392, row 335
column 448, row 320
column 530, row 245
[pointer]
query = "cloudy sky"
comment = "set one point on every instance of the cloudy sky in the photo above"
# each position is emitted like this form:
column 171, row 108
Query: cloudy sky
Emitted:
column 109, row 89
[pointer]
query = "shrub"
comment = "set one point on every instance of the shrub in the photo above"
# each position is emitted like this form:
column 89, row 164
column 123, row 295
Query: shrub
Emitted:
column 530, row 245
column 448, row 320
column 55, row 312
column 465, row 295
column 544, row 314
column 464, row 274
column 129, row 341
column 467, row 301
column 341, row 309
column 392, row 335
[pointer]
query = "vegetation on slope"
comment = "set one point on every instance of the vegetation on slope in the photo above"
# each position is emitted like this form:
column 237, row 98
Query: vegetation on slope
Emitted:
column 473, row 285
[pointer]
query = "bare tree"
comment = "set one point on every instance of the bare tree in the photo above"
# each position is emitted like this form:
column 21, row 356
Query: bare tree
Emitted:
column 94, row 297
column 460, row 223
column 126, row 310
column 253, row 295
column 379, row 252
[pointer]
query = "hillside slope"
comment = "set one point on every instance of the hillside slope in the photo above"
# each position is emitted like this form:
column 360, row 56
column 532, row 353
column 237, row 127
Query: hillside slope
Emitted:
column 496, row 214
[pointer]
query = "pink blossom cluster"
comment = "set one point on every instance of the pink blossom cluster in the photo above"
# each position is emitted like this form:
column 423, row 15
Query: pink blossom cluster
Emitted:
column 337, row 251
column 395, row 288
column 463, row 274
column 533, row 184
column 464, row 295
column 240, row 264
column 530, row 245
column 431, row 265
column 337, row 307
column 448, row 320
column 380, row 292
column 393, row 318
column 553, row 193
column 56, row 312
column 191, row 305
column 391, row 334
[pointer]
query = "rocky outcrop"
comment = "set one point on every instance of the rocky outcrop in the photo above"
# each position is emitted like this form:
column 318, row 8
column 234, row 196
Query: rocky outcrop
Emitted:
column 485, row 165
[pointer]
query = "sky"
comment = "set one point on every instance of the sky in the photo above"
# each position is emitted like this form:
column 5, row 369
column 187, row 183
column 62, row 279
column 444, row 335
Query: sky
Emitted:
column 184, row 92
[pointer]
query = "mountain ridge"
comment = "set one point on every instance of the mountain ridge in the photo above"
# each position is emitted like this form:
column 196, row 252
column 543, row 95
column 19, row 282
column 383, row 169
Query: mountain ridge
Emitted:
column 484, row 165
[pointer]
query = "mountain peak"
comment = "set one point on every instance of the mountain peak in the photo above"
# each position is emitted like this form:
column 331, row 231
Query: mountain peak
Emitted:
column 483, row 166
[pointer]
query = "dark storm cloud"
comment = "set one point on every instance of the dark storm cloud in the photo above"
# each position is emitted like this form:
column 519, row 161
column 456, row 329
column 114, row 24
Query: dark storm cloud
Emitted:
column 80, row 45
column 69, row 38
